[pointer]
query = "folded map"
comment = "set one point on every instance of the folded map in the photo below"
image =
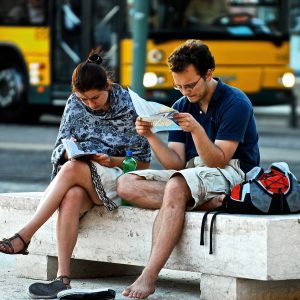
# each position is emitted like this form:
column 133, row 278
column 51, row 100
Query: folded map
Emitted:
column 160, row 115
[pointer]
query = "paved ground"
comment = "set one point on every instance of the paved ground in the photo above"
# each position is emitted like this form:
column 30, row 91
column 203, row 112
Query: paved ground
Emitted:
column 172, row 285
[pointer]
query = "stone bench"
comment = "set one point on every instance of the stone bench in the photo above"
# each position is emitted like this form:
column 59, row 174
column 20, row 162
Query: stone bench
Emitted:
column 255, row 257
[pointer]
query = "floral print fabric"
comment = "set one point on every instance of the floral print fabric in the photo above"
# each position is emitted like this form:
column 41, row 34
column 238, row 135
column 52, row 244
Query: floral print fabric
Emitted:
column 110, row 132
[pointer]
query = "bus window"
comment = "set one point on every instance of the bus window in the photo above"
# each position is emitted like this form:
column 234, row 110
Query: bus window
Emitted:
column 204, row 12
column 222, row 17
column 67, row 41
column 107, row 26
column 105, row 13
column 167, row 14
column 21, row 12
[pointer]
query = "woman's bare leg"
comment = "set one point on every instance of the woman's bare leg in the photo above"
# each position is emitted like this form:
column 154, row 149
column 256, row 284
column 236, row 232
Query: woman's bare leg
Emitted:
column 75, row 202
column 72, row 173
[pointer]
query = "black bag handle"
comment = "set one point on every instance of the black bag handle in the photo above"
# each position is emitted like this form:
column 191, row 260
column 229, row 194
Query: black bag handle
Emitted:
column 216, row 211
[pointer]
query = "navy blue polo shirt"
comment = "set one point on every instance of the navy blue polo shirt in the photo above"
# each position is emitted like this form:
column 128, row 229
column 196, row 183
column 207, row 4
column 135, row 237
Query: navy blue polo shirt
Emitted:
column 229, row 117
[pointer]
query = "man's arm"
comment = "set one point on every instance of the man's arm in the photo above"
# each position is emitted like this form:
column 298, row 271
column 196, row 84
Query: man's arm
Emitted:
column 171, row 156
column 216, row 154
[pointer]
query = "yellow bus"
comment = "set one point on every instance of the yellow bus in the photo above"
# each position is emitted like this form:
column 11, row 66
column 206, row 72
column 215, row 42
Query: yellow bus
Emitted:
column 41, row 41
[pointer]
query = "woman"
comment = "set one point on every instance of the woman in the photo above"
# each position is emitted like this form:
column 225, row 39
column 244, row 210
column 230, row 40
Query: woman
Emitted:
column 100, row 116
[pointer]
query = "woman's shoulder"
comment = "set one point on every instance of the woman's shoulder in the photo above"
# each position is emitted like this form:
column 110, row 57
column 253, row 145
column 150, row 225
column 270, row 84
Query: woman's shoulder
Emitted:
column 72, row 99
column 120, row 94
column 117, row 89
column 73, row 106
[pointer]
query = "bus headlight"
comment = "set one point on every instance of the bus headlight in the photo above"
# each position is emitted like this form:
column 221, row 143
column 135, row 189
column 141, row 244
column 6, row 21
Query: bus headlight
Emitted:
column 155, row 56
column 152, row 79
column 288, row 80
column 36, row 71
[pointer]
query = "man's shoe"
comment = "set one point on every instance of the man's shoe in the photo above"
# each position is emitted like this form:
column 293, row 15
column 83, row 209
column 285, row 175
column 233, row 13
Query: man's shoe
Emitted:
column 50, row 290
column 96, row 294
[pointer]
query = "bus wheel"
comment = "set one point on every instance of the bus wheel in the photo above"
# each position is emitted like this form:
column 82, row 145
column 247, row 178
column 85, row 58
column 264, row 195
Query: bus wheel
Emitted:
column 12, row 95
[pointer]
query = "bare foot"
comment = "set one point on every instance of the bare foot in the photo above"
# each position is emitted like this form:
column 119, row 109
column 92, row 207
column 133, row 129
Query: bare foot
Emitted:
column 141, row 288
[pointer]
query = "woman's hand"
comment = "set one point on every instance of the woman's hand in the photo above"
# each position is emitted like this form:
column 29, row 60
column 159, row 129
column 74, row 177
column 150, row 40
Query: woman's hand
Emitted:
column 102, row 159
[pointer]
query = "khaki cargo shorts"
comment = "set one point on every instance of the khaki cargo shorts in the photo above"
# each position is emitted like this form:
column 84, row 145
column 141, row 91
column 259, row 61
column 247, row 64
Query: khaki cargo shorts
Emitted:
column 204, row 182
column 109, row 177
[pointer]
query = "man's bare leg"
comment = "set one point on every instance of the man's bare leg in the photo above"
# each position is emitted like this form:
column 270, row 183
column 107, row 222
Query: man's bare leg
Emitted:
column 171, row 218
column 140, row 192
column 212, row 203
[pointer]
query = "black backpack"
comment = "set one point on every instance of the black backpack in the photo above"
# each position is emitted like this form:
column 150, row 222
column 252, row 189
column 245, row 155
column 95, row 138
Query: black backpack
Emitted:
column 274, row 191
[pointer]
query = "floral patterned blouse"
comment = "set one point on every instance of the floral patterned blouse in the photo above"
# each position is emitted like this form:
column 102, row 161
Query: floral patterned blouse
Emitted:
column 110, row 132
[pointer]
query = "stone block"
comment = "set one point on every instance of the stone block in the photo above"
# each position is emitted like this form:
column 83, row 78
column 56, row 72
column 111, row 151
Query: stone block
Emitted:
column 228, row 288
column 40, row 267
column 45, row 268
column 254, row 243
column 254, row 247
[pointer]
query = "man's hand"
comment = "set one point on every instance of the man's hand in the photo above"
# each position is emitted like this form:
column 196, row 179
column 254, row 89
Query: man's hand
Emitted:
column 143, row 128
column 102, row 159
column 186, row 121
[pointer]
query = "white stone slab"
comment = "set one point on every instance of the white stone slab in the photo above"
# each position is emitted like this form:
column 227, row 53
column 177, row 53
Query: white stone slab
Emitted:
column 227, row 288
column 253, row 247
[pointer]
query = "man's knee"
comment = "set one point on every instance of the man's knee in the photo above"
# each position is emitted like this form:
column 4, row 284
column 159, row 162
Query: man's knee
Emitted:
column 125, row 184
column 177, row 192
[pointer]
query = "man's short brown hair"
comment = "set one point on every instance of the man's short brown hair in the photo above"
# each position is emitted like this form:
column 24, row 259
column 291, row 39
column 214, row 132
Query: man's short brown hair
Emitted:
column 193, row 52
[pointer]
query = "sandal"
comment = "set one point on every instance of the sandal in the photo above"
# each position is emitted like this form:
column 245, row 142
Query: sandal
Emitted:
column 8, row 247
column 49, row 290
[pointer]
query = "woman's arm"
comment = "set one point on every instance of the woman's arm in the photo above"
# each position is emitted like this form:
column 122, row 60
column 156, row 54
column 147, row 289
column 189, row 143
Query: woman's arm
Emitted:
column 113, row 161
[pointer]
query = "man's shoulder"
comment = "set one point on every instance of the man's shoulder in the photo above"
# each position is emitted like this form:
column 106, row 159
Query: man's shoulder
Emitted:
column 181, row 104
column 233, row 92
column 231, row 96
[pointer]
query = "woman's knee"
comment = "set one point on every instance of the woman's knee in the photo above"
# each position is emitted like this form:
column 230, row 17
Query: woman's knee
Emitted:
column 73, row 199
column 73, row 168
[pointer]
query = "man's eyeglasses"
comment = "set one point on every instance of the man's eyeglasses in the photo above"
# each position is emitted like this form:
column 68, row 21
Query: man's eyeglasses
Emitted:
column 187, row 87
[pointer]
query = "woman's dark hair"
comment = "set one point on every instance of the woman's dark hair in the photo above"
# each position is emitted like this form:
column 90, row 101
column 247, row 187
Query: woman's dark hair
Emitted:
column 91, row 74
column 193, row 52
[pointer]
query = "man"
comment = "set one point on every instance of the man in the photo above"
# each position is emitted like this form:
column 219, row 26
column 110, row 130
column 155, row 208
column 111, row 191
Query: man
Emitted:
column 217, row 145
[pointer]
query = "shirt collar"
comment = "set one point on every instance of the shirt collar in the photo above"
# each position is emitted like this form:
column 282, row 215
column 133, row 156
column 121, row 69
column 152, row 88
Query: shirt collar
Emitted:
column 218, row 91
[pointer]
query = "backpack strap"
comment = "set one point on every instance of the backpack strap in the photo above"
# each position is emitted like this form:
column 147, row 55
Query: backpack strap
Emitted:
column 217, row 210
column 213, row 218
column 203, row 225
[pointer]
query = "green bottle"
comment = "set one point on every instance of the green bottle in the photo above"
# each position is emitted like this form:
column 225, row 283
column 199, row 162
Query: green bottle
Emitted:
column 129, row 164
